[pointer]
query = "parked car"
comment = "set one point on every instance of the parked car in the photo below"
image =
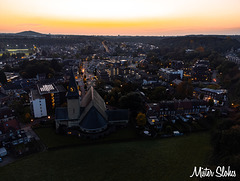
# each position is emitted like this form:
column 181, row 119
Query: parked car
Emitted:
column 3, row 152
column 183, row 119
column 177, row 133
column 189, row 117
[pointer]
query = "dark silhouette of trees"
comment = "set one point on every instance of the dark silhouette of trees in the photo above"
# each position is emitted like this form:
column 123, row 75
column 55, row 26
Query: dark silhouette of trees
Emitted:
column 184, row 89
column 29, row 69
column 158, row 94
column 141, row 119
column 132, row 101
column 3, row 79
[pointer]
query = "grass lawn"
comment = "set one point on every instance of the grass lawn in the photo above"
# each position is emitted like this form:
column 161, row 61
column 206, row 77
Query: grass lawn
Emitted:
column 161, row 159
column 49, row 137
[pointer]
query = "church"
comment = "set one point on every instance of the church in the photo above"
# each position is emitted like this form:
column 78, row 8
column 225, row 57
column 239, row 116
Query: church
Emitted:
column 87, row 114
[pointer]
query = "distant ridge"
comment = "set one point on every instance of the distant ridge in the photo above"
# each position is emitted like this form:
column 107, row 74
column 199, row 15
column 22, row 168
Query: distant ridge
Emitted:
column 30, row 33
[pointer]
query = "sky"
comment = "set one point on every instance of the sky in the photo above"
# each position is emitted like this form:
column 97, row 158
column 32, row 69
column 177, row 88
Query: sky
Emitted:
column 125, row 17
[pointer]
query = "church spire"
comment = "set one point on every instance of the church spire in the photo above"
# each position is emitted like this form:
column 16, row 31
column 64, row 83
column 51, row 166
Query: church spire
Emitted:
column 72, row 87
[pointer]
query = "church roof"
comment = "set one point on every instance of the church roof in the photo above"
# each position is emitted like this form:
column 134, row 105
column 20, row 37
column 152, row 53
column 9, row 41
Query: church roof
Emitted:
column 94, row 112
column 92, row 98
column 93, row 120
column 73, row 89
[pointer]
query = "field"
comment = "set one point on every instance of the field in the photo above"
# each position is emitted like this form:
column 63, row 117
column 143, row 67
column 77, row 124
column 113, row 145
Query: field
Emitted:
column 53, row 140
column 17, row 50
column 14, row 51
column 160, row 159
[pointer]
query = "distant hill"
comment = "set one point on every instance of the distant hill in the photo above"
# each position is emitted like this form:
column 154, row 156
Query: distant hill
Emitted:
column 30, row 33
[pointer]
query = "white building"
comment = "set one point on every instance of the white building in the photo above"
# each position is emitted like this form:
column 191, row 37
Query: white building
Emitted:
column 38, row 104
column 169, row 74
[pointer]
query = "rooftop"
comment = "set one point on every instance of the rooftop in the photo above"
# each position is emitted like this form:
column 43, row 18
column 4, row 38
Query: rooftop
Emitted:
column 217, row 91
column 46, row 88
column 35, row 94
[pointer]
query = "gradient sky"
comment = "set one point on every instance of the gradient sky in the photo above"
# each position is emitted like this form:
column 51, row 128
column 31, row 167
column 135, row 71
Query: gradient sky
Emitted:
column 125, row 17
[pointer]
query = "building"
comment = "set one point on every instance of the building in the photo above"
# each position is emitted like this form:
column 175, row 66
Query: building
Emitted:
column 38, row 104
column 176, row 107
column 8, row 121
column 233, row 58
column 45, row 98
column 203, row 62
column 169, row 74
column 177, row 64
column 103, row 75
column 200, row 71
column 219, row 96
column 87, row 114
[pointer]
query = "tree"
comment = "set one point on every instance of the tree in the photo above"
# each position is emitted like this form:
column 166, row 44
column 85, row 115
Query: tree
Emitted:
column 112, row 100
column 184, row 89
column 7, row 68
column 3, row 78
column 211, row 102
column 44, row 53
column 55, row 65
column 132, row 101
column 5, row 55
column 158, row 94
column 117, row 83
column 27, row 117
column 85, row 87
column 169, row 129
column 141, row 119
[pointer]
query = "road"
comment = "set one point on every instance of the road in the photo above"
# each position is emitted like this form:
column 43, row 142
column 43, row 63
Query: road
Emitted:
column 214, row 76
column 89, row 77
column 7, row 160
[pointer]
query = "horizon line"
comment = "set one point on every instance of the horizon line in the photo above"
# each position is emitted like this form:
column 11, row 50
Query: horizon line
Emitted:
column 58, row 34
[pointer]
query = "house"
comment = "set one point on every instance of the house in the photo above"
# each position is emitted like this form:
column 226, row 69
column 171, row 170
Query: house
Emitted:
column 169, row 74
column 176, row 107
column 103, row 75
column 8, row 121
column 219, row 96
column 177, row 64
column 200, row 71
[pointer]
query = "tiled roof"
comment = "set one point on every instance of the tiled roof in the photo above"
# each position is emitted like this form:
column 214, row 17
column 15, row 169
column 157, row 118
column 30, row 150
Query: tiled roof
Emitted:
column 92, row 98
column 93, row 119
column 94, row 114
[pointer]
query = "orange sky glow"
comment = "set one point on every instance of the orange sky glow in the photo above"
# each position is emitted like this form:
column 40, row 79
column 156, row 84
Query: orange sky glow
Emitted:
column 126, row 17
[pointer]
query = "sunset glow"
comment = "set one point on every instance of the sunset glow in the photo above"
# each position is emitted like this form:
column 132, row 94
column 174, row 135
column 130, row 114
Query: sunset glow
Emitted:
column 126, row 17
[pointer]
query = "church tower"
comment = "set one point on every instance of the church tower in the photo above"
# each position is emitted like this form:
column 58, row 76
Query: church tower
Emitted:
column 73, row 99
